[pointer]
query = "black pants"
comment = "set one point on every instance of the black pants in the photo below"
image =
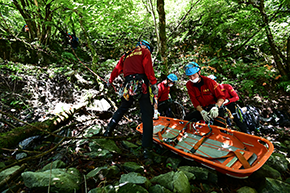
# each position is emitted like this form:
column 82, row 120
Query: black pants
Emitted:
column 242, row 125
column 196, row 116
column 164, row 108
column 146, row 115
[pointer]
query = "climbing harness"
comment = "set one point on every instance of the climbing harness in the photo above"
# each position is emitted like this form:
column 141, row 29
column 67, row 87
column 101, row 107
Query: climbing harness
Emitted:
column 134, row 88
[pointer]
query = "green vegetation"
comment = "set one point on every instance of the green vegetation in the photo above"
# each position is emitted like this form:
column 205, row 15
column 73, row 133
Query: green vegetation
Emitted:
column 244, row 42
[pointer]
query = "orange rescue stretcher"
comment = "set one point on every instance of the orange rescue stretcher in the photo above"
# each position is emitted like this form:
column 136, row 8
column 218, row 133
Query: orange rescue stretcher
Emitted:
column 230, row 152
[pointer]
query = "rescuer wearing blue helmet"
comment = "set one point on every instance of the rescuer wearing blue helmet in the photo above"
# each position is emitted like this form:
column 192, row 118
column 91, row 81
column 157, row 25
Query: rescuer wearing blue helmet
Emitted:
column 147, row 44
column 164, row 96
column 172, row 77
column 205, row 95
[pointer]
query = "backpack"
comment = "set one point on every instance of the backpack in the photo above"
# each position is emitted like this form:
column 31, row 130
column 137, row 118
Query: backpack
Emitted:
column 251, row 117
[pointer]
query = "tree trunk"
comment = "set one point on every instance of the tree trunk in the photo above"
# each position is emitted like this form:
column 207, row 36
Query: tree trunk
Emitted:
column 36, row 21
column 162, row 33
column 288, row 54
column 278, row 56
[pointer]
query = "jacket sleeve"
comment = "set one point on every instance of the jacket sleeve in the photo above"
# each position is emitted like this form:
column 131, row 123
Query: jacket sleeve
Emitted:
column 217, row 90
column 191, row 94
column 159, row 90
column 117, row 70
column 232, row 92
column 148, row 67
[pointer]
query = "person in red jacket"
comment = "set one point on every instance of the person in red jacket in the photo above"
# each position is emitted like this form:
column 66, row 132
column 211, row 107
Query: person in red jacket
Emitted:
column 230, row 103
column 205, row 95
column 164, row 96
column 136, row 65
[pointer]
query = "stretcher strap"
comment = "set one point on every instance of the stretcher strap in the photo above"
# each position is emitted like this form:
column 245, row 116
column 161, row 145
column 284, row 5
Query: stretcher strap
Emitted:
column 198, row 144
column 222, row 121
column 240, row 157
column 159, row 133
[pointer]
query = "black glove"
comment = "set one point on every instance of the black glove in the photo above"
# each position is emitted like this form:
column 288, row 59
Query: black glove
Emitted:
column 154, row 88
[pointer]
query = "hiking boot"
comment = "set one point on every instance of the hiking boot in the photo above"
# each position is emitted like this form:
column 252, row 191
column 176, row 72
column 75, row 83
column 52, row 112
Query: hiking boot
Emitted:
column 109, row 130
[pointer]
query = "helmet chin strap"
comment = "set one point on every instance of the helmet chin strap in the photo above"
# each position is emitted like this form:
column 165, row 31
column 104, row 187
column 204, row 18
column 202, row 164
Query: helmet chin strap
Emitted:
column 167, row 82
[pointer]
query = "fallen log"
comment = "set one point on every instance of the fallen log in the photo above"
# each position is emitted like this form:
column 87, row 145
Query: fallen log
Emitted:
column 13, row 137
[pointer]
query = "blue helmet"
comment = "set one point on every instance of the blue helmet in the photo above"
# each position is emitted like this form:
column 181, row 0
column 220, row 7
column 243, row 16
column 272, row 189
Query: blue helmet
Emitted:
column 172, row 77
column 191, row 68
column 212, row 76
column 147, row 44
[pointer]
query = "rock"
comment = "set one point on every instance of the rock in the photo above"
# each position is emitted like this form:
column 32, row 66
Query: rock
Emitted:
column 107, row 144
column 100, row 153
column 278, row 161
column 174, row 181
column 181, row 183
column 102, row 172
column 7, row 172
column 246, row 189
column 272, row 185
column 53, row 165
column 164, row 180
column 133, row 167
column 20, row 156
column 135, row 178
column 132, row 188
column 29, row 143
column 200, row 173
column 100, row 105
column 158, row 189
column 107, row 189
column 103, row 148
column 59, row 180
column 129, row 145
column 93, row 130
column 268, row 171
column 95, row 172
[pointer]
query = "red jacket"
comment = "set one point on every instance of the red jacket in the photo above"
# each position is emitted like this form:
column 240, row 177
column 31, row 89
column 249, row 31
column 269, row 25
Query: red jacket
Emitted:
column 163, row 91
column 208, row 94
column 138, row 62
column 229, row 92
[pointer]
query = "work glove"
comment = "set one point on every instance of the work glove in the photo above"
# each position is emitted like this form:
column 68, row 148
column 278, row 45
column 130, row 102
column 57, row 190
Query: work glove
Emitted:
column 156, row 114
column 154, row 88
column 226, row 101
column 205, row 115
column 214, row 112
column 169, row 98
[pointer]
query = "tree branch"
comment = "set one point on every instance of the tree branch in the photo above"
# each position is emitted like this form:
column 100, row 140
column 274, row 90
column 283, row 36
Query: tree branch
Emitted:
column 183, row 18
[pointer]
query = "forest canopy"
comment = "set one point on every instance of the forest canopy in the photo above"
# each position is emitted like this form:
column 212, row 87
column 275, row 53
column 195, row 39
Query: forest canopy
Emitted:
column 243, row 40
